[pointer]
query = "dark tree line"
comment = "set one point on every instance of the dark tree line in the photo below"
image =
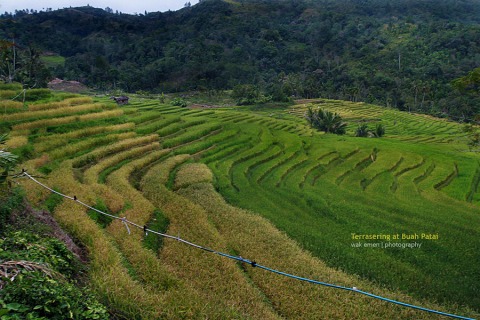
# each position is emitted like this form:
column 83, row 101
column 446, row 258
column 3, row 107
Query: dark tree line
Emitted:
column 399, row 53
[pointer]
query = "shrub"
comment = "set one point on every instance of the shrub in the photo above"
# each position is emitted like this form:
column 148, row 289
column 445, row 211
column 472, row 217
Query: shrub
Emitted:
column 37, row 94
column 247, row 94
column 9, row 201
column 40, row 289
column 162, row 98
column 21, row 245
column 34, row 296
column 179, row 102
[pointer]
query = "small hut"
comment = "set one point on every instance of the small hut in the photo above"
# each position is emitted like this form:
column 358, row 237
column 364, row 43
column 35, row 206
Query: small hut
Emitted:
column 121, row 100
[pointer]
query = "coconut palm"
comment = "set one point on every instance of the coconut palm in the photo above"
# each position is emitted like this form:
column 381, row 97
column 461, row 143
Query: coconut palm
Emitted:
column 379, row 130
column 362, row 130
column 329, row 122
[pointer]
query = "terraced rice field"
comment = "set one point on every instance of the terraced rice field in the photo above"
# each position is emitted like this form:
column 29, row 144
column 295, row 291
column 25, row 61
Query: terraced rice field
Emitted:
column 263, row 185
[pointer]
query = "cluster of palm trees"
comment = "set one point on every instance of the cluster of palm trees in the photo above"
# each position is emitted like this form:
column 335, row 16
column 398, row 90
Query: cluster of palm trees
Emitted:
column 330, row 122
column 364, row 131
column 326, row 121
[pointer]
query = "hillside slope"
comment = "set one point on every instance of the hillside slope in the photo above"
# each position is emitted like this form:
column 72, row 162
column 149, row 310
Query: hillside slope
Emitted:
column 393, row 53
column 171, row 168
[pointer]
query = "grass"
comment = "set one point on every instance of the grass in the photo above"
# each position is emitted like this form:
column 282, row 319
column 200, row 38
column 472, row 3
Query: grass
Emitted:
column 61, row 104
column 69, row 119
column 53, row 61
column 82, row 109
column 260, row 183
column 48, row 142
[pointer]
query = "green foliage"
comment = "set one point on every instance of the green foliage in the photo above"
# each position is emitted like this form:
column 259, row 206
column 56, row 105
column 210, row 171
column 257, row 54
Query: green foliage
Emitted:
column 10, row 200
column 14, row 86
column 316, row 188
column 40, row 291
column 470, row 82
column 379, row 130
column 257, row 44
column 326, row 121
column 53, row 61
column 179, row 102
column 24, row 152
column 362, row 130
column 7, row 160
column 20, row 245
column 36, row 296
column 22, row 64
column 160, row 223
column 245, row 94
column 99, row 218
column 36, row 94
column 52, row 201
column 248, row 94
column 473, row 135
column 162, row 98
column 142, row 92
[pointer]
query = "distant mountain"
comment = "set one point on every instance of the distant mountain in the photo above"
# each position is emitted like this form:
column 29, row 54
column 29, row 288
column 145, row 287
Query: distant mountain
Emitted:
column 400, row 53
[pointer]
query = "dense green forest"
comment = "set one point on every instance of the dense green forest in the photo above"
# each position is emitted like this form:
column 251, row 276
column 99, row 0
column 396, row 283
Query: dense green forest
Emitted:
column 400, row 53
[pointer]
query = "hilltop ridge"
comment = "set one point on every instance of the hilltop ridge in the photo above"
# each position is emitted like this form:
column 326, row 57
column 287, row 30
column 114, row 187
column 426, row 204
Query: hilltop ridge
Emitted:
column 393, row 53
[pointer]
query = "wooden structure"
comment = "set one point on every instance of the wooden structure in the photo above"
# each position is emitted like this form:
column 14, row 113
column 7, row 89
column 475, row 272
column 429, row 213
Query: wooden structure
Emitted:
column 120, row 100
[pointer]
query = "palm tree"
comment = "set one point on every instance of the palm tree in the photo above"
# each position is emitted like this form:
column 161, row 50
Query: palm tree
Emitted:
column 310, row 116
column 379, row 130
column 7, row 160
column 326, row 121
column 362, row 130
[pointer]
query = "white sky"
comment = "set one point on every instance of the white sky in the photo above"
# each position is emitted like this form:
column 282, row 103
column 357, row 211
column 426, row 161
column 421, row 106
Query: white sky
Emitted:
column 125, row 6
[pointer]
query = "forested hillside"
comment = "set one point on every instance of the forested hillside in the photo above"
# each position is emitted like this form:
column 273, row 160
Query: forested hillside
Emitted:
column 396, row 53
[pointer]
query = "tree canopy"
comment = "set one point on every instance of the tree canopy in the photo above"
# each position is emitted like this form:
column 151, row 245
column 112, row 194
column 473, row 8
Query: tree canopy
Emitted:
column 396, row 53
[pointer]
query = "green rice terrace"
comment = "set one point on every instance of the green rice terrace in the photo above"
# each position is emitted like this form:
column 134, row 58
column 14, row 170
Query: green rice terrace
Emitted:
column 397, row 216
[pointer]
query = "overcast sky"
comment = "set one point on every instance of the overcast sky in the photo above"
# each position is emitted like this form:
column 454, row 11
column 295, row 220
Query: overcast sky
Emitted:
column 125, row 6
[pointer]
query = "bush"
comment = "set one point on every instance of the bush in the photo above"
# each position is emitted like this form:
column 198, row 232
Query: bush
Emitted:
column 36, row 94
column 162, row 98
column 247, row 94
column 34, row 296
column 41, row 289
column 21, row 245
column 179, row 102
column 9, row 201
